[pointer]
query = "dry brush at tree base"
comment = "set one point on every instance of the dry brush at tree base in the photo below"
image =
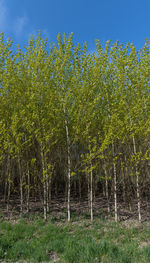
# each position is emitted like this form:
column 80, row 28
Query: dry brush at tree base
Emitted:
column 75, row 125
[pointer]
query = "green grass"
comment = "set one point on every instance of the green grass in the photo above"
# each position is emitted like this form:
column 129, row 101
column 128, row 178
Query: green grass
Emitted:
column 78, row 242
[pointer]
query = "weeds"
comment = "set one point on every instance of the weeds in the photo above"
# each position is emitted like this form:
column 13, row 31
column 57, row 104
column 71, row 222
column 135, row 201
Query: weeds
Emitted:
column 106, row 242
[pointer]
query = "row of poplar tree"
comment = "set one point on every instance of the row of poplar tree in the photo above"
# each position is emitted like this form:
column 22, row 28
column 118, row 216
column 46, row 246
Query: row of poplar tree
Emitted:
column 74, row 121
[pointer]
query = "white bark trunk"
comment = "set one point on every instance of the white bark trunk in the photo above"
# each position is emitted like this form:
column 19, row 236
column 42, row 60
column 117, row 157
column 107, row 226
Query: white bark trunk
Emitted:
column 28, row 190
column 115, row 193
column 91, row 194
column 21, row 186
column 79, row 188
column 47, row 196
column 69, row 174
column 8, row 194
column 50, row 190
column 44, row 187
column 115, row 186
column 69, row 165
column 69, row 171
column 44, row 200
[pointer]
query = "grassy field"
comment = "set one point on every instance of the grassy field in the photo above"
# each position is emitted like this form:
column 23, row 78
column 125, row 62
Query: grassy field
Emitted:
column 33, row 240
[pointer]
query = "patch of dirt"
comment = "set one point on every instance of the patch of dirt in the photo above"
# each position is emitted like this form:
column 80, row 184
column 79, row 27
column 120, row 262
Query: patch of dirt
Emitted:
column 144, row 244
column 79, row 209
column 131, row 223
column 53, row 256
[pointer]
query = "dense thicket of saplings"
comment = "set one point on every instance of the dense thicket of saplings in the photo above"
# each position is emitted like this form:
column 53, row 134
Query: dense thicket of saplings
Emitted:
column 76, row 122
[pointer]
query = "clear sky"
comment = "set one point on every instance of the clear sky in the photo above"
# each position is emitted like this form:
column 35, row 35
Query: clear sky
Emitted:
column 123, row 20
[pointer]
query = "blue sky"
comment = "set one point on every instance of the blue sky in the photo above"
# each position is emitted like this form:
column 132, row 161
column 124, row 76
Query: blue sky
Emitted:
column 126, row 21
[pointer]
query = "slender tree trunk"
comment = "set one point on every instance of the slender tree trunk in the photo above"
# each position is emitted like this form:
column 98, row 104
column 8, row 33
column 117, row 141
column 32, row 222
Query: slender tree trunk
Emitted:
column 69, row 183
column 137, row 183
column 44, row 200
column 69, row 166
column 69, row 186
column 28, row 190
column 44, row 187
column 21, row 195
column 79, row 187
column 88, row 177
column 8, row 193
column 115, row 185
column 91, row 193
column 21, row 186
column 47, row 189
column 115, row 193
column 69, row 172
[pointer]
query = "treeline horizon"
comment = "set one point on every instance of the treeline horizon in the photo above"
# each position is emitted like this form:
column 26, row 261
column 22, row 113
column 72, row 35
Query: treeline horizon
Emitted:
column 74, row 121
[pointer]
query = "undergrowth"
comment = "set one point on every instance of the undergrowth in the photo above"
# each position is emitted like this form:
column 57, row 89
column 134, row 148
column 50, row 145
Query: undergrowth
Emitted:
column 75, row 242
